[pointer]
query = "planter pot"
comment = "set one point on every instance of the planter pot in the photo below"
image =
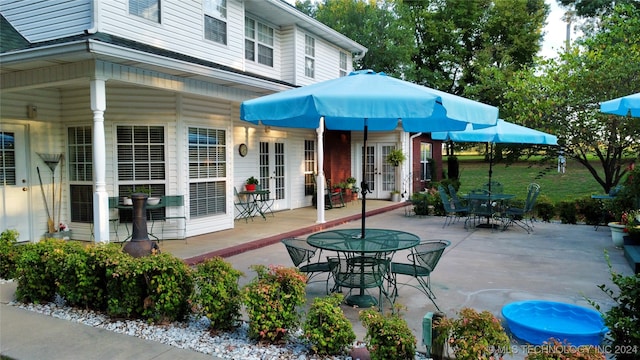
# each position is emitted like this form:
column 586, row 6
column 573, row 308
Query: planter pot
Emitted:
column 65, row 235
column 617, row 234
column 127, row 201
column 250, row 187
column 395, row 197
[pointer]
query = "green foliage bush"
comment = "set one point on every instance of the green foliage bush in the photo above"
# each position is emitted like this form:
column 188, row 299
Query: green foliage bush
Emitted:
column 388, row 337
column 271, row 300
column 155, row 287
column 544, row 208
column 420, row 203
column 568, row 212
column 327, row 327
column 38, row 269
column 623, row 319
column 473, row 335
column 9, row 253
column 590, row 210
column 216, row 293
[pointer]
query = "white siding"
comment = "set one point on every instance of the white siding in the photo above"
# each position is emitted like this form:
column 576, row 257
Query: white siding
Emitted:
column 45, row 20
column 289, row 54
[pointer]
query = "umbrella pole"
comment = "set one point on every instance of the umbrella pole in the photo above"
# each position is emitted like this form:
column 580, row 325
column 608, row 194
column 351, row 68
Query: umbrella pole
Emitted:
column 364, row 185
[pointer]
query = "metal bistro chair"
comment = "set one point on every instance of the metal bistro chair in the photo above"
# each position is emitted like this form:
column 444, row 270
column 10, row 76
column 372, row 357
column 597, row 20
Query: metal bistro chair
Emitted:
column 174, row 203
column 518, row 216
column 266, row 202
column 302, row 253
column 363, row 272
column 452, row 212
column 243, row 205
column 422, row 261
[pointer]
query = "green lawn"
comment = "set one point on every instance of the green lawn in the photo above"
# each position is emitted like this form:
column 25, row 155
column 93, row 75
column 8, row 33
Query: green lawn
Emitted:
column 575, row 183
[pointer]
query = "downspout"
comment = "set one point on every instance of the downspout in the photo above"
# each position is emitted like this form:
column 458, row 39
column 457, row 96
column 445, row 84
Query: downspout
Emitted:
column 360, row 55
column 411, row 161
column 94, row 18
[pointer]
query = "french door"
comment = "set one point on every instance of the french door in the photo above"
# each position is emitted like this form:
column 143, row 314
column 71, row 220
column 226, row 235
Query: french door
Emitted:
column 273, row 171
column 380, row 175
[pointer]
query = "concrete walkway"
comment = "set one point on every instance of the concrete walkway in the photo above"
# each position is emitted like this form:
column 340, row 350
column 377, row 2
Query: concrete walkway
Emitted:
column 482, row 269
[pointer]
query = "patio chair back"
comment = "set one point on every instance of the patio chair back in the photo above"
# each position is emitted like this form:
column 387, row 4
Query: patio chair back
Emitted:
column 533, row 190
column 428, row 253
column 452, row 211
column 454, row 195
column 299, row 251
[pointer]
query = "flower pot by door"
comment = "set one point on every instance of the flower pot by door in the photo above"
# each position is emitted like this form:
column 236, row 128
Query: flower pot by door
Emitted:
column 395, row 197
column 617, row 234
column 250, row 187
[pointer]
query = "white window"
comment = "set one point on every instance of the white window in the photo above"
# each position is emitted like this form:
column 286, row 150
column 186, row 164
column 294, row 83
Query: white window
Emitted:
column 310, row 54
column 258, row 40
column 80, row 164
column 215, row 20
column 207, row 171
column 343, row 63
column 148, row 9
column 426, row 161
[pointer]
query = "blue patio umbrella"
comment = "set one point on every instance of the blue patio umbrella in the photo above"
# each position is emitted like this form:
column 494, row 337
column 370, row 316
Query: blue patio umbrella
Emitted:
column 626, row 105
column 503, row 132
column 363, row 101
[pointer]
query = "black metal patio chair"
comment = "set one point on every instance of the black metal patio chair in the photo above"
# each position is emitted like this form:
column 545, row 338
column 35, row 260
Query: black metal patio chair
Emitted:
column 422, row 262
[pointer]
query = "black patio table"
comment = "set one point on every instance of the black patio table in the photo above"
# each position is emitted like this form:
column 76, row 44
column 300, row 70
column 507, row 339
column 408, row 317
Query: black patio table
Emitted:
column 376, row 243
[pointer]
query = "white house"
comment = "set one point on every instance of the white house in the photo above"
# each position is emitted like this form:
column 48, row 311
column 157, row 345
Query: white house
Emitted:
column 147, row 92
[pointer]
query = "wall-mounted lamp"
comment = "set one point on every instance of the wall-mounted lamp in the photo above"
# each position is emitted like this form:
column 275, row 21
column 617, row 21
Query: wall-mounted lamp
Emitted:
column 267, row 129
column 32, row 111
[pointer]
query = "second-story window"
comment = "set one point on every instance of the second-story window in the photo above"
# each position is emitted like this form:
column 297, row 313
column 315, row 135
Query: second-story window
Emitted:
column 310, row 54
column 148, row 9
column 258, row 42
column 215, row 20
column 343, row 63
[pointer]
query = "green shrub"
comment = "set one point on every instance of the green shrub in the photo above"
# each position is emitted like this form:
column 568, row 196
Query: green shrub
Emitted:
column 9, row 253
column 38, row 270
column 473, row 335
column 155, row 287
column 544, row 208
column 553, row 349
column 590, row 210
column 568, row 212
column 420, row 203
column 271, row 299
column 216, row 293
column 388, row 337
column 83, row 280
column 326, row 326
column 623, row 319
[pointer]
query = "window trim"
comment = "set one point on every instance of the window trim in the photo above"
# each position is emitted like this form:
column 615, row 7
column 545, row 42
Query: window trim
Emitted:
column 154, row 21
column 257, row 43
column 309, row 43
column 223, row 18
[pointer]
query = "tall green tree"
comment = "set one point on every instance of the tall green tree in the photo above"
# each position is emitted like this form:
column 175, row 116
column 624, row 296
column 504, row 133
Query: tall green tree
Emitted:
column 563, row 96
column 373, row 24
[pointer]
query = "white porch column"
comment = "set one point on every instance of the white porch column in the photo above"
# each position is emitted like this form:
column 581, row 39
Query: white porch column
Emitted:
column 100, row 196
column 320, row 178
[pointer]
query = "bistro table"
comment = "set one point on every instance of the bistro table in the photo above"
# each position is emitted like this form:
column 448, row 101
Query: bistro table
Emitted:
column 485, row 201
column 255, row 206
column 375, row 242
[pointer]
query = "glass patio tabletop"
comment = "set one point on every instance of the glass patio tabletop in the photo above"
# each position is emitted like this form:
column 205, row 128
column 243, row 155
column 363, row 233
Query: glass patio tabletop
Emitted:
column 375, row 240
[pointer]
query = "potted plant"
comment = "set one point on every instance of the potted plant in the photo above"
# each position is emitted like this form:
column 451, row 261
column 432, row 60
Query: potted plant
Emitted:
column 395, row 157
column 395, row 196
column 251, row 184
column 351, row 181
column 462, row 335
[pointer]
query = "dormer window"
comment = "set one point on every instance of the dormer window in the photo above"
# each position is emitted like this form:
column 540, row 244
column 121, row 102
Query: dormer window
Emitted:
column 148, row 9
column 310, row 54
column 258, row 42
column 215, row 20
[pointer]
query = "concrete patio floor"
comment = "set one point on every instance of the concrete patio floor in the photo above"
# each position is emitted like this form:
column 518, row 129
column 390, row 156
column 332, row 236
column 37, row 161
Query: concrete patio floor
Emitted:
column 482, row 269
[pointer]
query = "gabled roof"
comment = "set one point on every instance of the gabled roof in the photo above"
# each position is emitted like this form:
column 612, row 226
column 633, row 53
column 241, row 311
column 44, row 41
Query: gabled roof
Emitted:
column 10, row 38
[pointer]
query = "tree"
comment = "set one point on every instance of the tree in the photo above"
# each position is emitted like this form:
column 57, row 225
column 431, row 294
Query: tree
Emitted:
column 563, row 96
column 373, row 24
column 590, row 8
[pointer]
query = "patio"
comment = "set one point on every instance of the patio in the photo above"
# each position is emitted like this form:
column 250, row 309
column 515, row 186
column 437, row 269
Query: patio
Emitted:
column 482, row 269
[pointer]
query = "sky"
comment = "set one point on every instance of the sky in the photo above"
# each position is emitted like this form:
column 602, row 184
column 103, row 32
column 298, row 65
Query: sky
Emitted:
column 555, row 30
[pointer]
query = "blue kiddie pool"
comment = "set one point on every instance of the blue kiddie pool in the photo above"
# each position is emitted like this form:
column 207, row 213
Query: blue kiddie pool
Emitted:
column 535, row 321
